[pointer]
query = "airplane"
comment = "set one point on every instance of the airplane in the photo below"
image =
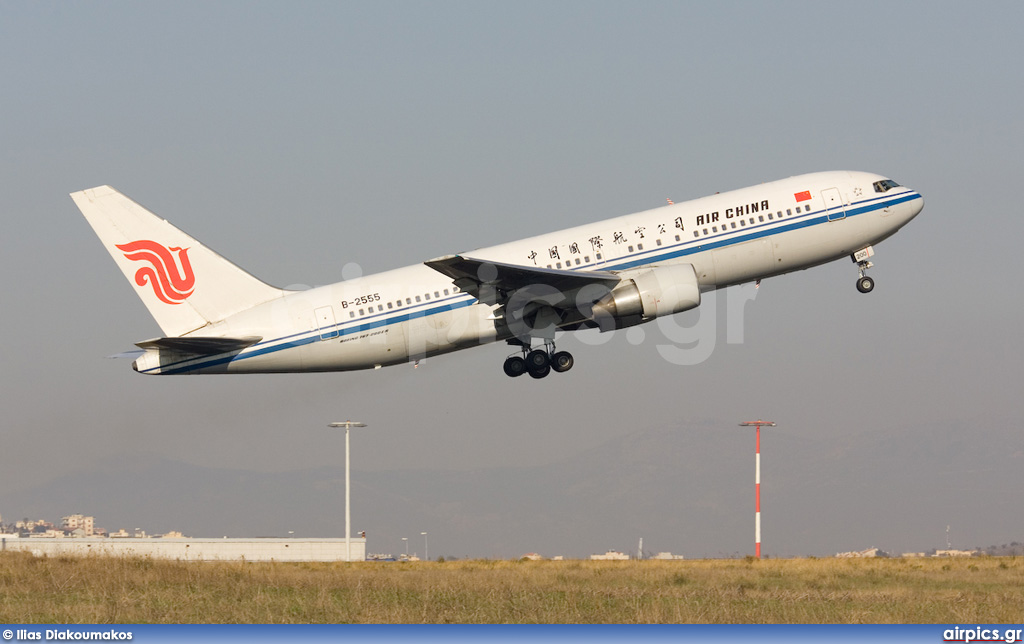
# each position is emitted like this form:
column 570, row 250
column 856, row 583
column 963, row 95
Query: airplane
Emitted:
column 613, row 274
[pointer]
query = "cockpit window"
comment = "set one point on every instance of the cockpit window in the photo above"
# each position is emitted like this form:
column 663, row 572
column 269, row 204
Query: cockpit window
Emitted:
column 885, row 185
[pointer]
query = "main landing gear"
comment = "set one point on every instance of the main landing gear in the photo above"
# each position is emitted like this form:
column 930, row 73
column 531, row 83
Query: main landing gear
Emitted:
column 537, row 362
column 864, row 283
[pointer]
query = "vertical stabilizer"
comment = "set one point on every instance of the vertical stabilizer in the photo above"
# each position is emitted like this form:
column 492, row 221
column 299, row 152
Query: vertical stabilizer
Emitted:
column 184, row 284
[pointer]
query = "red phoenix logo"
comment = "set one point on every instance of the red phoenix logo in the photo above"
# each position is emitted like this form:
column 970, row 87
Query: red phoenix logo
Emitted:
column 172, row 279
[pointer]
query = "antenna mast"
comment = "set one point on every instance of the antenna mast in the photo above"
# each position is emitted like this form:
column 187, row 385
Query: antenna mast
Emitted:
column 757, row 482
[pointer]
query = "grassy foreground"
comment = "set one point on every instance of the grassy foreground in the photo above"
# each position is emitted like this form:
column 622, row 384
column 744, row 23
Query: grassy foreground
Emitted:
column 131, row 590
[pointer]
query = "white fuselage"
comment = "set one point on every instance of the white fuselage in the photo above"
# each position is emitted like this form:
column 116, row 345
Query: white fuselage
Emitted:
column 414, row 312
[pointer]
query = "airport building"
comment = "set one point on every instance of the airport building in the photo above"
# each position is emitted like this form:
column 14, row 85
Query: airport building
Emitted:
column 200, row 549
column 611, row 555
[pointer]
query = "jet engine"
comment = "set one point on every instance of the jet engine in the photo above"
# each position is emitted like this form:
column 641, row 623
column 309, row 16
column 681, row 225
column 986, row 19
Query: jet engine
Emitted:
column 645, row 294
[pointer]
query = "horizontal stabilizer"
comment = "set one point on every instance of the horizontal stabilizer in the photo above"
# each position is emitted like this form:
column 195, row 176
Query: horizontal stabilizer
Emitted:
column 131, row 353
column 199, row 345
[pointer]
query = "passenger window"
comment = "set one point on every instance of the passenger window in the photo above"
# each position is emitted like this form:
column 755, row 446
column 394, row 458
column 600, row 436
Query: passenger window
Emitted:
column 577, row 261
column 677, row 237
column 389, row 306
column 418, row 299
column 696, row 233
column 446, row 291
column 658, row 242
column 426, row 296
column 760, row 218
column 788, row 212
column 351, row 314
column 733, row 225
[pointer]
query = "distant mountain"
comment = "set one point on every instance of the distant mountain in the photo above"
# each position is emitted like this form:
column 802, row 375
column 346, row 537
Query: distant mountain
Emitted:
column 688, row 490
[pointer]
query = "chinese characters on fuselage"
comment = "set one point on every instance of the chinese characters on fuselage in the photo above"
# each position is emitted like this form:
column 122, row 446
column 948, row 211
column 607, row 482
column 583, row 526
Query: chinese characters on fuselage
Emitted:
column 619, row 236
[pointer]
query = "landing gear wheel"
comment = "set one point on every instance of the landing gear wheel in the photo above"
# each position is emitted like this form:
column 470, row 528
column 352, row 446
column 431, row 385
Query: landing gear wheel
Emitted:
column 540, row 372
column 537, row 360
column 515, row 366
column 562, row 361
column 865, row 284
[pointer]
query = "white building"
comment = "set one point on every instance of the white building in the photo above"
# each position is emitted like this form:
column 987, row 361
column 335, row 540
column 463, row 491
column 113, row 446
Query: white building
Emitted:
column 270, row 549
column 954, row 553
column 870, row 552
column 611, row 555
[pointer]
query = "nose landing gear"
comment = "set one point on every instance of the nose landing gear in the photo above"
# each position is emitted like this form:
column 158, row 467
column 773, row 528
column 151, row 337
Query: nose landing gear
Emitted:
column 864, row 283
column 537, row 362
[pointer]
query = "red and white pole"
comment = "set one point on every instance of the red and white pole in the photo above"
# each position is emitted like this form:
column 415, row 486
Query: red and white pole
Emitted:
column 757, row 496
column 757, row 482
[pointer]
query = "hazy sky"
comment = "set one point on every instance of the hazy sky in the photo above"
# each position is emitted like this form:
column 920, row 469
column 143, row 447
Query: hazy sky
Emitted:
column 295, row 138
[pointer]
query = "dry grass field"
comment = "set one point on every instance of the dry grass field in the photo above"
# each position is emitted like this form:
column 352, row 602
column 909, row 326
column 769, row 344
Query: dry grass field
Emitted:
column 126, row 590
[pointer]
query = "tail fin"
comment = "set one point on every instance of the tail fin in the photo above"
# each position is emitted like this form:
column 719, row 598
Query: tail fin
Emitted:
column 184, row 284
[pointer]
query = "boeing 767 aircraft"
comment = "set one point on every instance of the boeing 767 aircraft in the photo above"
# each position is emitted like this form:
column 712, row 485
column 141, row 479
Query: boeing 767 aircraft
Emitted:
column 216, row 318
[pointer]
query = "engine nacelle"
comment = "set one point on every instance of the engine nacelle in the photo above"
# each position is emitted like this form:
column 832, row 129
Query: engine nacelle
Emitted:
column 648, row 293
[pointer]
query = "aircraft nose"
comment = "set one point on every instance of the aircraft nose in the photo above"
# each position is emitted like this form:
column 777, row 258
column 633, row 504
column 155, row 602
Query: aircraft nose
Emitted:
column 916, row 206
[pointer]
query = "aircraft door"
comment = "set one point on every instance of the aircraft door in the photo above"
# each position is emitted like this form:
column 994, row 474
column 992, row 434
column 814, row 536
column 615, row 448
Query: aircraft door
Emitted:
column 834, row 205
column 325, row 322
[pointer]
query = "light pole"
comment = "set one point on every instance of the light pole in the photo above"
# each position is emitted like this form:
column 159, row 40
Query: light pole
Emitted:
column 757, row 482
column 406, row 540
column 426, row 550
column 347, row 424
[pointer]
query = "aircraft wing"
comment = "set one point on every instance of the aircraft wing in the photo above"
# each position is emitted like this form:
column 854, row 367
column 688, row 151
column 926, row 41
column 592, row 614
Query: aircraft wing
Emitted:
column 491, row 282
column 532, row 302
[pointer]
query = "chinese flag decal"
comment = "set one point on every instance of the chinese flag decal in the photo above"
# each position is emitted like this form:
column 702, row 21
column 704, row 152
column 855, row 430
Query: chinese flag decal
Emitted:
column 803, row 196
